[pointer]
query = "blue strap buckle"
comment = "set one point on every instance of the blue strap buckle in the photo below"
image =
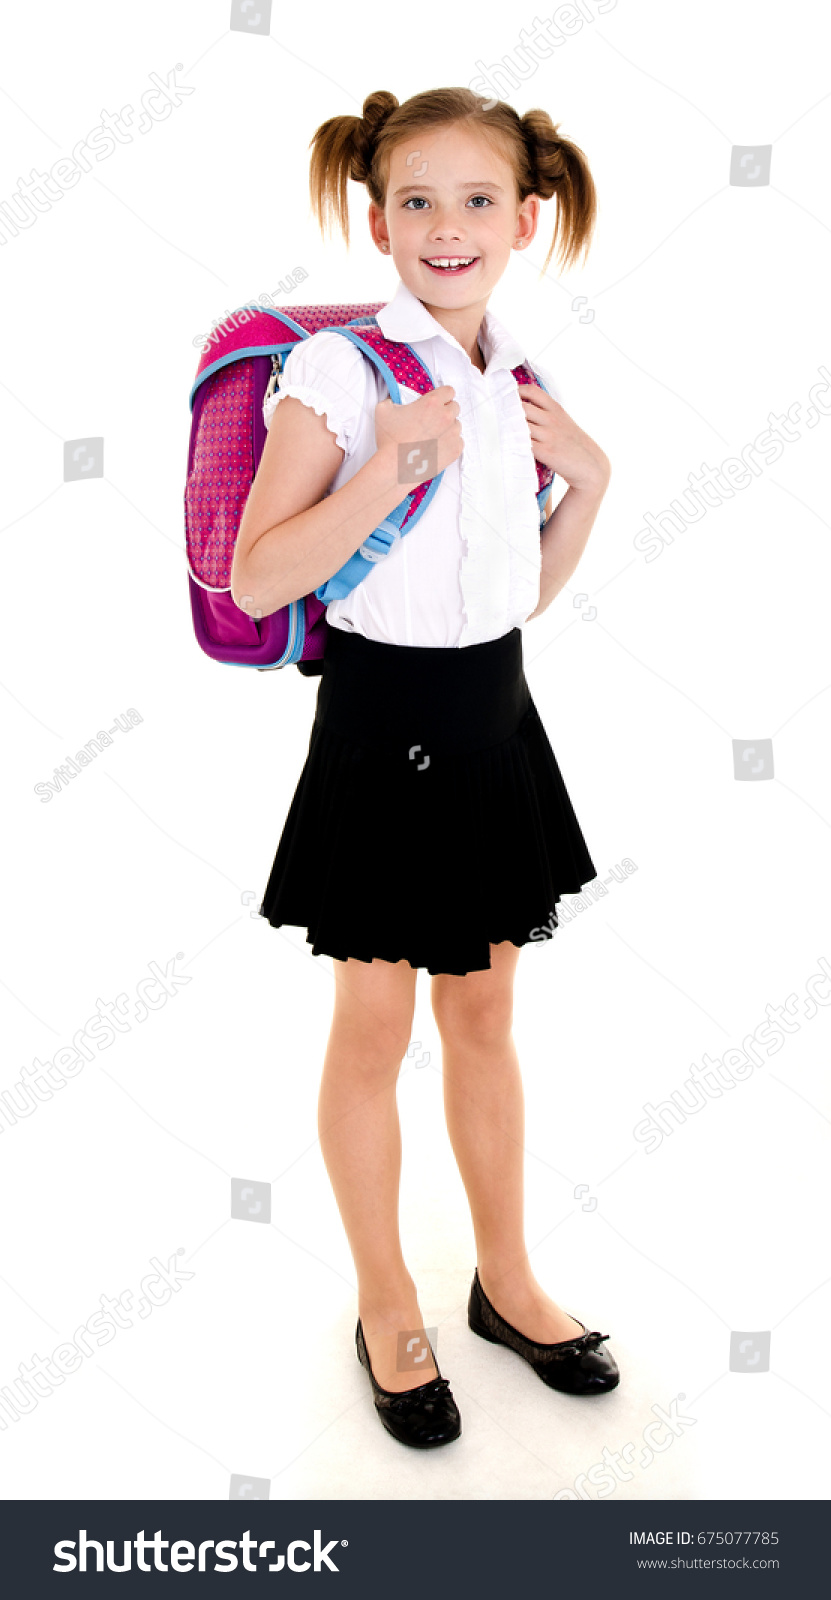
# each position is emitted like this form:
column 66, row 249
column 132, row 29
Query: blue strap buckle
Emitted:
column 380, row 543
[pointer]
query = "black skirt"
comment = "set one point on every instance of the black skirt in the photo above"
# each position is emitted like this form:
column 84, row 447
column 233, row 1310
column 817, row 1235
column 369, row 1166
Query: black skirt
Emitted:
column 430, row 819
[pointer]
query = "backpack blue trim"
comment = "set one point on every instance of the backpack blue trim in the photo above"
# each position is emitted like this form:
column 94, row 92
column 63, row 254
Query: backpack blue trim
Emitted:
column 542, row 494
column 294, row 643
column 237, row 355
column 263, row 349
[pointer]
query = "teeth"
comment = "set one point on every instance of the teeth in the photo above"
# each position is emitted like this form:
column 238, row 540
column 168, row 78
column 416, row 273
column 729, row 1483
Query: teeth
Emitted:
column 453, row 261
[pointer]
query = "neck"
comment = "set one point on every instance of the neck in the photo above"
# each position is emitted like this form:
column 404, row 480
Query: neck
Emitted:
column 464, row 324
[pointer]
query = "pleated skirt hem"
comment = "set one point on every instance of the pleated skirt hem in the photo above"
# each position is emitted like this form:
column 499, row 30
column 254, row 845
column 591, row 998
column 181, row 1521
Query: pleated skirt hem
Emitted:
column 429, row 856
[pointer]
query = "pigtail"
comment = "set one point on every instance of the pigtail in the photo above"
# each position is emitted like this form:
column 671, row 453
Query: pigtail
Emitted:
column 560, row 168
column 343, row 148
column 544, row 164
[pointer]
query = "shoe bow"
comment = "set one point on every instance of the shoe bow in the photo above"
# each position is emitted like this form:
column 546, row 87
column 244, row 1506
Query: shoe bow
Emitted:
column 434, row 1389
column 586, row 1342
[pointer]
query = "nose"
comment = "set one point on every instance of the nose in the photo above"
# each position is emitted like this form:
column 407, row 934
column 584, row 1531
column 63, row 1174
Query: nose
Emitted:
column 446, row 229
column 446, row 222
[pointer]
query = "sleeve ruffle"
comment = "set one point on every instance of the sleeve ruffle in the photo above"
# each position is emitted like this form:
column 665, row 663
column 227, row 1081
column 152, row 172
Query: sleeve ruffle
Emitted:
column 328, row 373
column 319, row 403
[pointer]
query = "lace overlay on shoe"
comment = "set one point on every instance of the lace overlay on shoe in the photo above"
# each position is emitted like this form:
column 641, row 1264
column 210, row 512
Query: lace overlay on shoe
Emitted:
column 425, row 1395
column 566, row 1349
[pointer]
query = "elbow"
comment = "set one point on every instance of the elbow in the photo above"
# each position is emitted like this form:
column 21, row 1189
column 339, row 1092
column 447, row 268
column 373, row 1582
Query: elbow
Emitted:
column 251, row 591
column 605, row 472
column 244, row 589
column 240, row 588
column 254, row 605
column 246, row 602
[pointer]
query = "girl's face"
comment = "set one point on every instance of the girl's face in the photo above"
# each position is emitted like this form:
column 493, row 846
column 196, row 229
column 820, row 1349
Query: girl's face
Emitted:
column 450, row 195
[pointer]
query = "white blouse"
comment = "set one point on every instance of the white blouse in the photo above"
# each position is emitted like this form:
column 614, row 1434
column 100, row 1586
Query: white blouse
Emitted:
column 469, row 569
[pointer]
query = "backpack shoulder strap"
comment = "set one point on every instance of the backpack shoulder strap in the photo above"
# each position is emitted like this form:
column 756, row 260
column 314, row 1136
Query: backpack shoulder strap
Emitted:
column 525, row 373
column 397, row 364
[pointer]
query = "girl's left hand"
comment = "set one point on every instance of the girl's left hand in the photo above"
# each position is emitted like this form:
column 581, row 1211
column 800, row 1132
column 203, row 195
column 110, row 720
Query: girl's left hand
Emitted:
column 560, row 444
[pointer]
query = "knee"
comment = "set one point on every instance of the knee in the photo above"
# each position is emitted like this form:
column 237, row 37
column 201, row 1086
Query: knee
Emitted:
column 472, row 1016
column 372, row 1032
column 373, row 1050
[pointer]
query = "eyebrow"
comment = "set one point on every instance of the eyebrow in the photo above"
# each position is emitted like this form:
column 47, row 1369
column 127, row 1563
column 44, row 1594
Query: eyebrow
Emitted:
column 424, row 188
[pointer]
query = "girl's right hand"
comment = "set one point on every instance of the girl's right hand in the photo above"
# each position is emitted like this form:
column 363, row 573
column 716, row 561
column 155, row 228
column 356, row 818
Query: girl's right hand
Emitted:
column 429, row 426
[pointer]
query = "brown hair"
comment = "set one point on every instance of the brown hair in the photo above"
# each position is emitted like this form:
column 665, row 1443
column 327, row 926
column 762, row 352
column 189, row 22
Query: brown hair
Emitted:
column 544, row 164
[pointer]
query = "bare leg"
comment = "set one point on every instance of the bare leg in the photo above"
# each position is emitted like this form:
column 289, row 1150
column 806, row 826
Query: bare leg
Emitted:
column 360, row 1138
column 485, row 1111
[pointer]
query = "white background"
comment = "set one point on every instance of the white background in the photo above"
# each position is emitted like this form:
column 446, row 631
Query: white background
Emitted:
column 709, row 312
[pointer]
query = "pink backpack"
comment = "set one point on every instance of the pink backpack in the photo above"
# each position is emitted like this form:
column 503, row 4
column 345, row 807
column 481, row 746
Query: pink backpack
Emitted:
column 238, row 370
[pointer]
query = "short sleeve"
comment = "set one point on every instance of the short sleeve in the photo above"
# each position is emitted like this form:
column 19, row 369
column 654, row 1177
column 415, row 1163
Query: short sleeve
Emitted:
column 329, row 373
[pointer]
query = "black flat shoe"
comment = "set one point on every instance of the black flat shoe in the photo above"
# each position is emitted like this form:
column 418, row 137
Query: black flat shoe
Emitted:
column 575, row 1366
column 424, row 1416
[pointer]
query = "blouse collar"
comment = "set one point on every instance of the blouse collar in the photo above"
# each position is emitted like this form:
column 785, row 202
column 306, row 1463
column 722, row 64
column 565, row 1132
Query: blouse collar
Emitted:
column 407, row 319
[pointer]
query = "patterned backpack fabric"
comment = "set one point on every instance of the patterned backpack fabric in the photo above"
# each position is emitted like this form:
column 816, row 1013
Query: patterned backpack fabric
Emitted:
column 240, row 368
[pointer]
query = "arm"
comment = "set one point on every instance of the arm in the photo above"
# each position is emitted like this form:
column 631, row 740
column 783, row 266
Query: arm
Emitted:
column 563, row 446
column 291, row 538
column 564, row 536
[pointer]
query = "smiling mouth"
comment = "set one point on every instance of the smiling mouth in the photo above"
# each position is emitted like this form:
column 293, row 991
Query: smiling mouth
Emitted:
column 451, row 271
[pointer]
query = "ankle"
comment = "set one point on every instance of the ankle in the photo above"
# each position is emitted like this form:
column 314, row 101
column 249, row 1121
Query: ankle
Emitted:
column 389, row 1302
column 515, row 1278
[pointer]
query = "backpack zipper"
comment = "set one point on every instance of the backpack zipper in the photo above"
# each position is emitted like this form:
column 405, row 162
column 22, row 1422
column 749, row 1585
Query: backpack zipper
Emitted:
column 276, row 369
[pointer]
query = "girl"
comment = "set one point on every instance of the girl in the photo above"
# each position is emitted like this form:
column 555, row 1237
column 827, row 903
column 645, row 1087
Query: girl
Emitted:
column 430, row 826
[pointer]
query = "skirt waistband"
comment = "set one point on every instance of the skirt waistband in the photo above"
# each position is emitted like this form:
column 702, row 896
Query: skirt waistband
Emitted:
column 389, row 695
